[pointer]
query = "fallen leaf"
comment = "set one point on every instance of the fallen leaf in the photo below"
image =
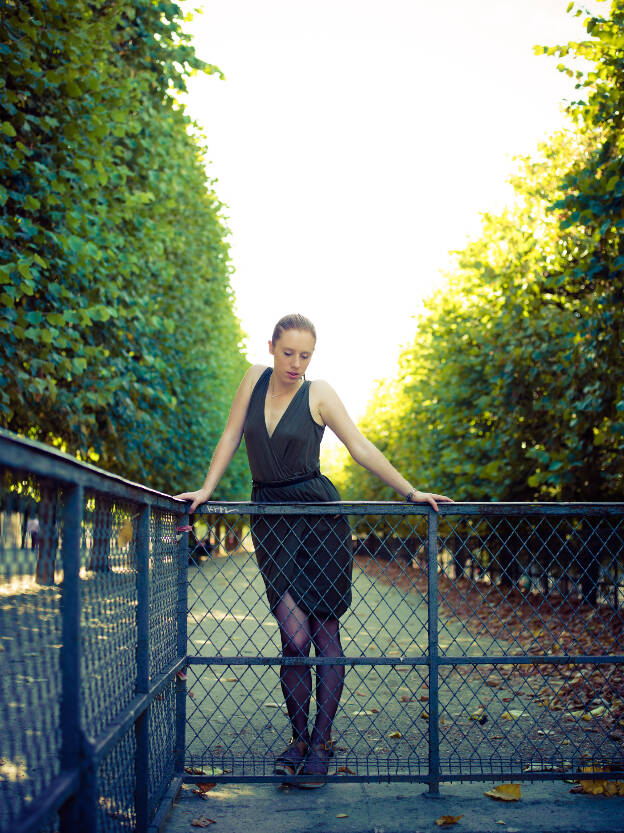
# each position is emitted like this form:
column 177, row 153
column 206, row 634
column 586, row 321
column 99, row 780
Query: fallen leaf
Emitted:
column 444, row 820
column 535, row 767
column 395, row 735
column 231, row 680
column 593, row 713
column 203, row 821
column 505, row 792
column 493, row 683
column 361, row 693
column 478, row 714
column 201, row 529
column 424, row 715
column 203, row 788
column 406, row 699
column 271, row 706
column 512, row 714
column 193, row 771
column 124, row 536
column 342, row 815
column 424, row 698
column 346, row 769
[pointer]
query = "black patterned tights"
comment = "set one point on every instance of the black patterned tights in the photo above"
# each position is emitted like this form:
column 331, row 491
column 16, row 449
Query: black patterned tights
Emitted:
column 298, row 631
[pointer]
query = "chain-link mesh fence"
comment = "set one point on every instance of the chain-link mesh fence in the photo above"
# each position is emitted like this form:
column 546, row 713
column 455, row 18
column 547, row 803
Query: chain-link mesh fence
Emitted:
column 482, row 641
column 486, row 640
column 89, row 582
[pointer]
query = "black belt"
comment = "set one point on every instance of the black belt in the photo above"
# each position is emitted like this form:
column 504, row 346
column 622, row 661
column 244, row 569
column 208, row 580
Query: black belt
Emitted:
column 290, row 481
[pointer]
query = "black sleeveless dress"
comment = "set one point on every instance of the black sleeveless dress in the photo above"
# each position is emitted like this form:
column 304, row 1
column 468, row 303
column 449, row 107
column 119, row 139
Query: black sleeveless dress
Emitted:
column 307, row 556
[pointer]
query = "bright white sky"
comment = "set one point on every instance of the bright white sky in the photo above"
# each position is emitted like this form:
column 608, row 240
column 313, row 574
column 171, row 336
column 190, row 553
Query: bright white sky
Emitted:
column 355, row 142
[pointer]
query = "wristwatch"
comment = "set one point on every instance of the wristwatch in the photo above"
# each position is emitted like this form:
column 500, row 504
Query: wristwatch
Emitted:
column 409, row 495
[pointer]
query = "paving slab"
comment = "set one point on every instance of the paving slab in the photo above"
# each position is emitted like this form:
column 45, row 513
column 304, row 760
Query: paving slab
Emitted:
column 393, row 808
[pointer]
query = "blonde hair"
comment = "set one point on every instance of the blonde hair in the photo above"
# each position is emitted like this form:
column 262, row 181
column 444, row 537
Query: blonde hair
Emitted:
column 294, row 321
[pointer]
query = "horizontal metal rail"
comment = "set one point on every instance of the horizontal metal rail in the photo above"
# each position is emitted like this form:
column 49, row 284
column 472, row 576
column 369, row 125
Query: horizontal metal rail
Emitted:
column 395, row 508
column 398, row 662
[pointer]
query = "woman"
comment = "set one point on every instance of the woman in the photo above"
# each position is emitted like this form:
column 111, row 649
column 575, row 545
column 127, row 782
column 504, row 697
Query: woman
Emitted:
column 305, row 560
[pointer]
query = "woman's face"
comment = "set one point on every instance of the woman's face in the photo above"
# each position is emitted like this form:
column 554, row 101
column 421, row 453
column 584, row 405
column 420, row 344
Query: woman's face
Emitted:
column 291, row 355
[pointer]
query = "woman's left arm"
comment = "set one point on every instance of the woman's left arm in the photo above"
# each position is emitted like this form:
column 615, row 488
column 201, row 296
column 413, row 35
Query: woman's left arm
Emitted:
column 334, row 414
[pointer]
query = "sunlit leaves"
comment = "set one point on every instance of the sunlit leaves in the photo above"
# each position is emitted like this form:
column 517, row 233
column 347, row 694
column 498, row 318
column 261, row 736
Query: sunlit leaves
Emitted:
column 116, row 324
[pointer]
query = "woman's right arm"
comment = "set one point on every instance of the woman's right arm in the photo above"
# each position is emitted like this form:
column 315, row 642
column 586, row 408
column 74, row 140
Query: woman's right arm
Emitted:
column 229, row 442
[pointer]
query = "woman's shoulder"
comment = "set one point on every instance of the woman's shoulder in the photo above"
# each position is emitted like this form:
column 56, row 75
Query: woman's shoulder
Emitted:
column 255, row 372
column 321, row 388
column 321, row 395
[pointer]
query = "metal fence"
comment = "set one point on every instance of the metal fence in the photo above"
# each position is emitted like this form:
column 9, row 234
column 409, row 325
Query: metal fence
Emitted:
column 481, row 642
column 90, row 611
column 484, row 641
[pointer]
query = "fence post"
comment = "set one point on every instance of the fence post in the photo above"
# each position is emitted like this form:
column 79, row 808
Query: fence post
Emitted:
column 80, row 811
column 141, row 726
column 183, row 556
column 432, row 626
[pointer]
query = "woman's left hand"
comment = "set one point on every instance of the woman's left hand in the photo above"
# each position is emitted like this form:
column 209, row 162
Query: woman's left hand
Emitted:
column 429, row 497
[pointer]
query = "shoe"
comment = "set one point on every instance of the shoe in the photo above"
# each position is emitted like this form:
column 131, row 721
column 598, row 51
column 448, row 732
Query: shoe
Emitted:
column 292, row 758
column 316, row 765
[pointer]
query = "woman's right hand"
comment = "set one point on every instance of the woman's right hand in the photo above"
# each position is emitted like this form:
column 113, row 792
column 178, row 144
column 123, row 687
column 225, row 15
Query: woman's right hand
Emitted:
column 200, row 496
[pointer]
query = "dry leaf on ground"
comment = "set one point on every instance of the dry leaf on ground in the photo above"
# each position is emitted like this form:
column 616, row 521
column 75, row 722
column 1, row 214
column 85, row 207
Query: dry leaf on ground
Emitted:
column 342, row 815
column 444, row 820
column 505, row 792
column 599, row 786
column 202, row 788
column 202, row 821
column 395, row 735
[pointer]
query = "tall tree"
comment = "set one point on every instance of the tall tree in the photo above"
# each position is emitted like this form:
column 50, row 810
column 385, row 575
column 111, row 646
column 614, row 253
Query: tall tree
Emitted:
column 118, row 336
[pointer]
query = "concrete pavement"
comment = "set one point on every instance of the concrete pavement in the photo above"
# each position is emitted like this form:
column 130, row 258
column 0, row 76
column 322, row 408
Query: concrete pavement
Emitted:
column 394, row 808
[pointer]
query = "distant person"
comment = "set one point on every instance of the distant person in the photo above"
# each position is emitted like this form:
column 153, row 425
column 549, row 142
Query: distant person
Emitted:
column 305, row 560
column 32, row 529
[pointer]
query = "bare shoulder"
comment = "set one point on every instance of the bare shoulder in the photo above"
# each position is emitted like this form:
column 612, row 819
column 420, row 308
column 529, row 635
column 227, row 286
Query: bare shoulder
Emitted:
column 251, row 377
column 323, row 399
column 255, row 372
column 322, row 390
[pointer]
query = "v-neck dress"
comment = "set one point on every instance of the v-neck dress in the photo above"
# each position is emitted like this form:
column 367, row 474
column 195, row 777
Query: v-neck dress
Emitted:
column 307, row 556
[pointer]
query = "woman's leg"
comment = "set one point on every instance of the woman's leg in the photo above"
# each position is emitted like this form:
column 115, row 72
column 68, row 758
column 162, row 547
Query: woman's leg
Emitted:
column 296, row 680
column 329, row 678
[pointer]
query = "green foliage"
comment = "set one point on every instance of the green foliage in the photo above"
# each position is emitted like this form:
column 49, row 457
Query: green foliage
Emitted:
column 513, row 386
column 117, row 333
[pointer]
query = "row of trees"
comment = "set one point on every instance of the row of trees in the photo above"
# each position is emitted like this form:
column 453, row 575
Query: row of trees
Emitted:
column 118, row 338
column 513, row 388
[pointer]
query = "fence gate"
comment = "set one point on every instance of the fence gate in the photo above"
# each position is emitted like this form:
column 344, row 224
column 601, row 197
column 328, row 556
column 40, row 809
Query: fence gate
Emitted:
column 483, row 641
